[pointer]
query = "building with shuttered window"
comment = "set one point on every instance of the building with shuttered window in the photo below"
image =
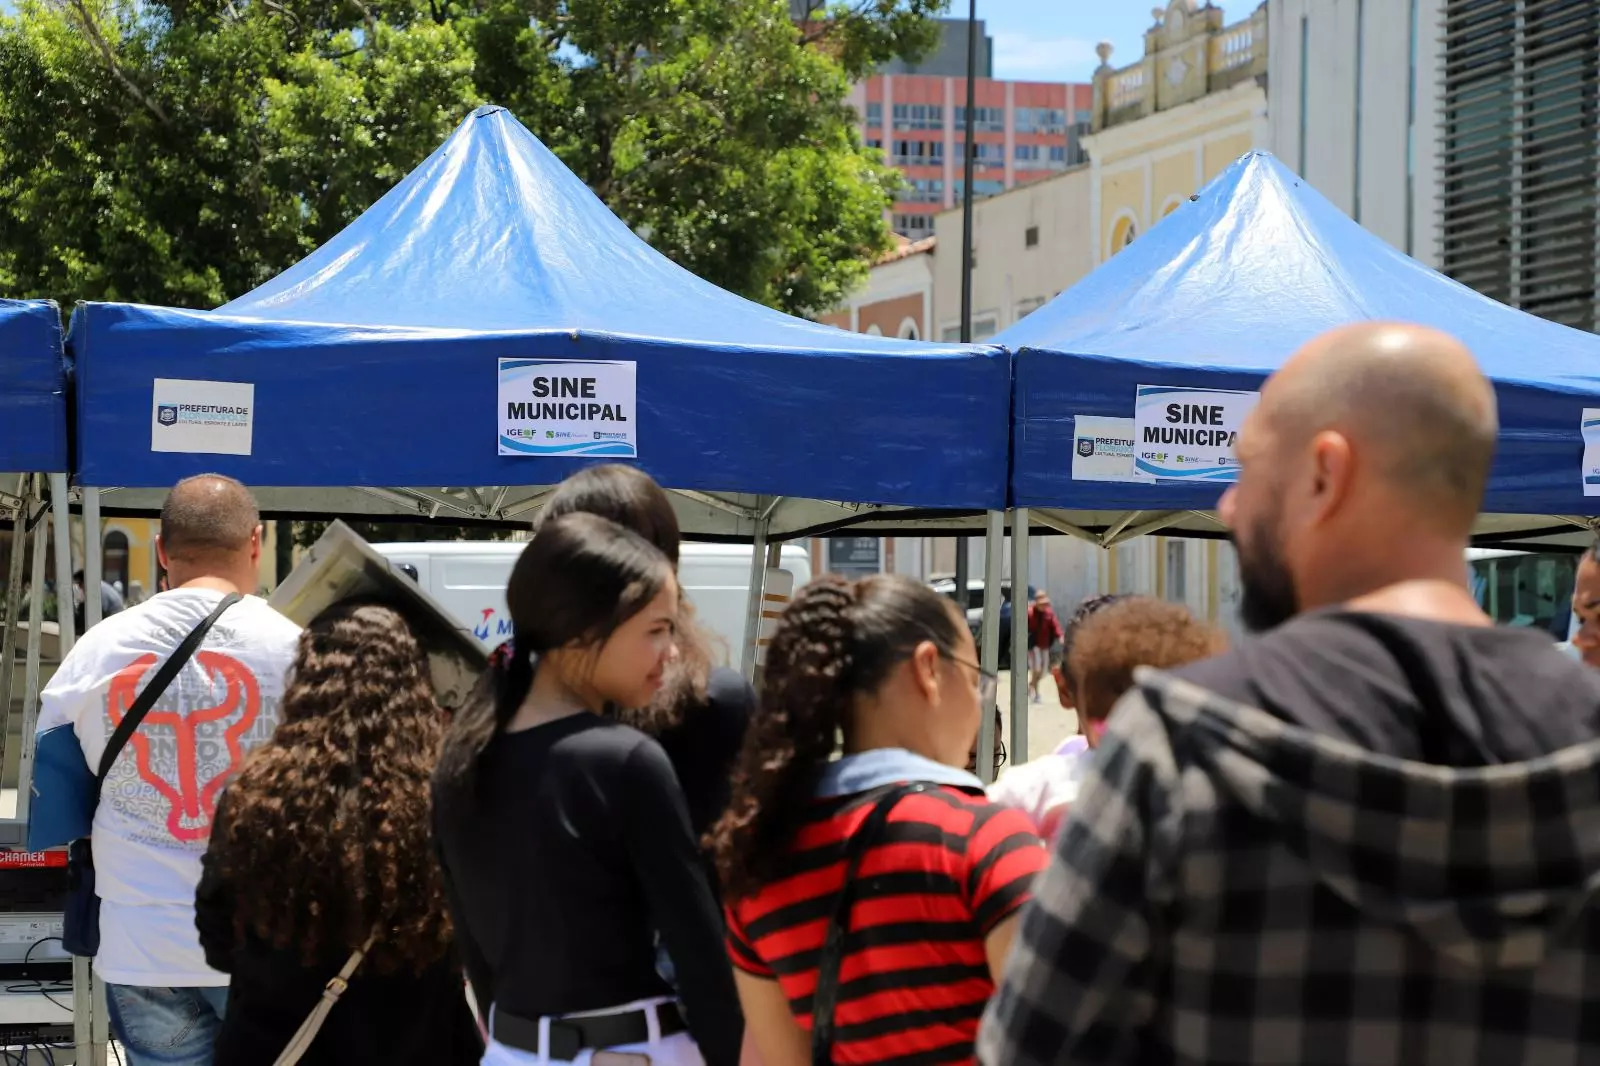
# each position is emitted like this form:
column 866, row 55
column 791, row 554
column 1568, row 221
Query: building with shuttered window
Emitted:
column 1519, row 145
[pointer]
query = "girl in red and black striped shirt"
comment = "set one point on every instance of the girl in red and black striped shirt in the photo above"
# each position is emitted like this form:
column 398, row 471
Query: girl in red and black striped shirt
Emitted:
column 889, row 665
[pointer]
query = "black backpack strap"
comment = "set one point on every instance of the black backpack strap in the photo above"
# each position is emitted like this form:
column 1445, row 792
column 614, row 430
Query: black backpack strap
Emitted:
column 152, row 692
column 826, row 996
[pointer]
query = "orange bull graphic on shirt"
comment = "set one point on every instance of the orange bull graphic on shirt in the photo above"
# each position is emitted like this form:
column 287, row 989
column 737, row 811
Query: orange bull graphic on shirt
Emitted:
column 188, row 745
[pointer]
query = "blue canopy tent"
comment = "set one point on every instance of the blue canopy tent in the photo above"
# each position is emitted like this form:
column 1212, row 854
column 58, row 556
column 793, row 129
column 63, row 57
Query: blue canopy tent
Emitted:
column 371, row 369
column 33, row 388
column 33, row 448
column 1218, row 295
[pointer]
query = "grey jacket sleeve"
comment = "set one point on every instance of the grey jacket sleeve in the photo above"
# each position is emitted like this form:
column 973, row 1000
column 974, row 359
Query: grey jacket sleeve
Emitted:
column 1079, row 986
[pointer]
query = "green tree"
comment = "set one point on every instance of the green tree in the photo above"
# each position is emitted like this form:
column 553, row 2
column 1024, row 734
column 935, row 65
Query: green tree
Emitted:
column 719, row 130
column 184, row 151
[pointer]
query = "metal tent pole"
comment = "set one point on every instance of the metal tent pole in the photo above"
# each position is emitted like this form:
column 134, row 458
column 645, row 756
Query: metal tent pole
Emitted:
column 993, row 545
column 13, row 608
column 61, row 531
column 89, row 995
column 758, row 586
column 91, row 558
column 1019, row 635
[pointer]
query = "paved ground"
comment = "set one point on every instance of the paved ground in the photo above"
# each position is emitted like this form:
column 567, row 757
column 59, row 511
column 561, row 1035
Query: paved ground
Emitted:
column 1049, row 723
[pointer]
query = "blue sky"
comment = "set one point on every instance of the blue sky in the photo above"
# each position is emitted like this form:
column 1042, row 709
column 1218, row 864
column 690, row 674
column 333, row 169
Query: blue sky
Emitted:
column 1053, row 40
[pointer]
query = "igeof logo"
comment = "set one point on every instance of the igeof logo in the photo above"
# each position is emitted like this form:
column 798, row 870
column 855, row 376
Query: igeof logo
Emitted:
column 167, row 414
column 1153, row 457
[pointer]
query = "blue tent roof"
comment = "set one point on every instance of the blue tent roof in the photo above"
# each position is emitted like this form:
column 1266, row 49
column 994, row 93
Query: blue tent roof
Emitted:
column 1222, row 291
column 33, row 388
column 374, row 359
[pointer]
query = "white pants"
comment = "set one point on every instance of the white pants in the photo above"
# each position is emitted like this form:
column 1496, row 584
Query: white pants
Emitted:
column 678, row 1049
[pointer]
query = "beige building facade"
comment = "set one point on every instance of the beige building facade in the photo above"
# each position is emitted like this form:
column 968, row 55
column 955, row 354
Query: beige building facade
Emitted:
column 1029, row 244
column 897, row 300
column 1170, row 122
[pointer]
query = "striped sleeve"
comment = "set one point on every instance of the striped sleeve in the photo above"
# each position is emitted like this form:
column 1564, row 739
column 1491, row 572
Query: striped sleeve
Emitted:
column 740, row 952
column 1079, row 985
column 1004, row 854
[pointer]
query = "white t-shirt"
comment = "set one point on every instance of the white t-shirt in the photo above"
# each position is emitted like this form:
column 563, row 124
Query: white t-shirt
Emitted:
column 1045, row 788
column 154, row 818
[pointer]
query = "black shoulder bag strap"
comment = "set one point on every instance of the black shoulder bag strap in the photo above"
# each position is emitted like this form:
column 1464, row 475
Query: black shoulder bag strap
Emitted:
column 152, row 692
column 826, row 996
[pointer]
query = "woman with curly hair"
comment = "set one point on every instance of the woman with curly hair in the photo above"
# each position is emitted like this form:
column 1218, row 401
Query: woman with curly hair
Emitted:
column 563, row 832
column 893, row 843
column 321, row 843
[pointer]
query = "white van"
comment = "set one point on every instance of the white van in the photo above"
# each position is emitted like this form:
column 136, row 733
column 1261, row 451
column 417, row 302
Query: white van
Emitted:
column 469, row 579
column 1520, row 588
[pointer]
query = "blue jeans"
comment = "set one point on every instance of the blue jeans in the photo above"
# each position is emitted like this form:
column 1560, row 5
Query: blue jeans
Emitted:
column 166, row 1026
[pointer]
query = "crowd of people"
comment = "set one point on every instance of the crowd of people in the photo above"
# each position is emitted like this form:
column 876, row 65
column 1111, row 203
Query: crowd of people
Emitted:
column 1360, row 835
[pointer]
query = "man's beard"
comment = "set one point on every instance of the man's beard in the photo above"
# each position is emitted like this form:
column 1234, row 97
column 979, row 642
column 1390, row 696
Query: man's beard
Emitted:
column 1267, row 596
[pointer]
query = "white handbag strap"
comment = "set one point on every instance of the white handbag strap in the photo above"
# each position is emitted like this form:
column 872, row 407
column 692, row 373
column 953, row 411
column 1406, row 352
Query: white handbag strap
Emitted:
column 300, row 1043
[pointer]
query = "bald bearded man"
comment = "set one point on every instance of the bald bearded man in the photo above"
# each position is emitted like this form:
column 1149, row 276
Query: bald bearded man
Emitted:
column 1365, row 836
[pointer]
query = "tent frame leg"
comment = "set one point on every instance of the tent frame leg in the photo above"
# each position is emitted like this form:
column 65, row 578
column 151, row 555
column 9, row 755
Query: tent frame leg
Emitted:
column 92, row 574
column 61, row 530
column 993, row 552
column 1020, row 688
column 91, row 1020
column 758, row 587
column 13, row 608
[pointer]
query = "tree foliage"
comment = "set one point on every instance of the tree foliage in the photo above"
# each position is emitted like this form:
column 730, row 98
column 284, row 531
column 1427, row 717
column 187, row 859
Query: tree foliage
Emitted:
column 182, row 152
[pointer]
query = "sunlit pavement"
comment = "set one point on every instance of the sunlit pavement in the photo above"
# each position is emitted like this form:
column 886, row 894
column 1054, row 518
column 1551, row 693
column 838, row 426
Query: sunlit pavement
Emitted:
column 1049, row 723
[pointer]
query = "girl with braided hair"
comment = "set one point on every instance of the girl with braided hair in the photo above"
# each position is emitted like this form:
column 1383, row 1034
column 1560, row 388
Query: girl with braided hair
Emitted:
column 887, row 667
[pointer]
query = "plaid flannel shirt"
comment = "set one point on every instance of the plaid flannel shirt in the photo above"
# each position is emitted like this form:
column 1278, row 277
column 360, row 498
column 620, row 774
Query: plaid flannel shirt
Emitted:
column 1231, row 889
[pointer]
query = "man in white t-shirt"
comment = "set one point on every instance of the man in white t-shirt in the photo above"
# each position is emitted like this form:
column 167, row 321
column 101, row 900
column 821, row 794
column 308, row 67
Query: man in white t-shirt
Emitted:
column 154, row 818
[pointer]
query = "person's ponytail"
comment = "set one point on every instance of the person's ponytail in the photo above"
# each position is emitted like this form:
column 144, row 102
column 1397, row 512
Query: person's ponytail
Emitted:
column 498, row 693
column 810, row 677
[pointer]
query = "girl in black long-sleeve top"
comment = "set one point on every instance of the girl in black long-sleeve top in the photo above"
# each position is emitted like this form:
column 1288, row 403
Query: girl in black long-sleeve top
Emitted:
column 563, row 834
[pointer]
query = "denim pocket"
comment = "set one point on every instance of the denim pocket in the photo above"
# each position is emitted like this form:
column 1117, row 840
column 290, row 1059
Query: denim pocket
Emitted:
column 154, row 1019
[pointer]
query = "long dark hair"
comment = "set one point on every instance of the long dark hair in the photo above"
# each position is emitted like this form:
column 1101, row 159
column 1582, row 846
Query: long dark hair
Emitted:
column 626, row 495
column 836, row 640
column 580, row 578
column 632, row 499
column 325, row 832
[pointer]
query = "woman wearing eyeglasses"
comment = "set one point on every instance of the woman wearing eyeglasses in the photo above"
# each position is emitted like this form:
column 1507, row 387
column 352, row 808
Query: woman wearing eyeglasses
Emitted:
column 936, row 873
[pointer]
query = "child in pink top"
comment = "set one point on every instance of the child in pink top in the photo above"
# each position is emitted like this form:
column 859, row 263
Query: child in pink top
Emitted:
column 1109, row 637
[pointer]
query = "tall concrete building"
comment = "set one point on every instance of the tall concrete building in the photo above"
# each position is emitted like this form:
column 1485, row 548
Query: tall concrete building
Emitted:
column 916, row 113
column 1355, row 105
column 1022, row 132
column 1463, row 132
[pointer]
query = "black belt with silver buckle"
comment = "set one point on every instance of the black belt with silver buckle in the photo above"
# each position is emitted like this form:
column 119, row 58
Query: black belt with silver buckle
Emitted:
column 568, row 1036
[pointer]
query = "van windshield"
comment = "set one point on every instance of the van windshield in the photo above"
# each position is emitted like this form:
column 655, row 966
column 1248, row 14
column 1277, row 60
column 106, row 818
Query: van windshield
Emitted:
column 1532, row 589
